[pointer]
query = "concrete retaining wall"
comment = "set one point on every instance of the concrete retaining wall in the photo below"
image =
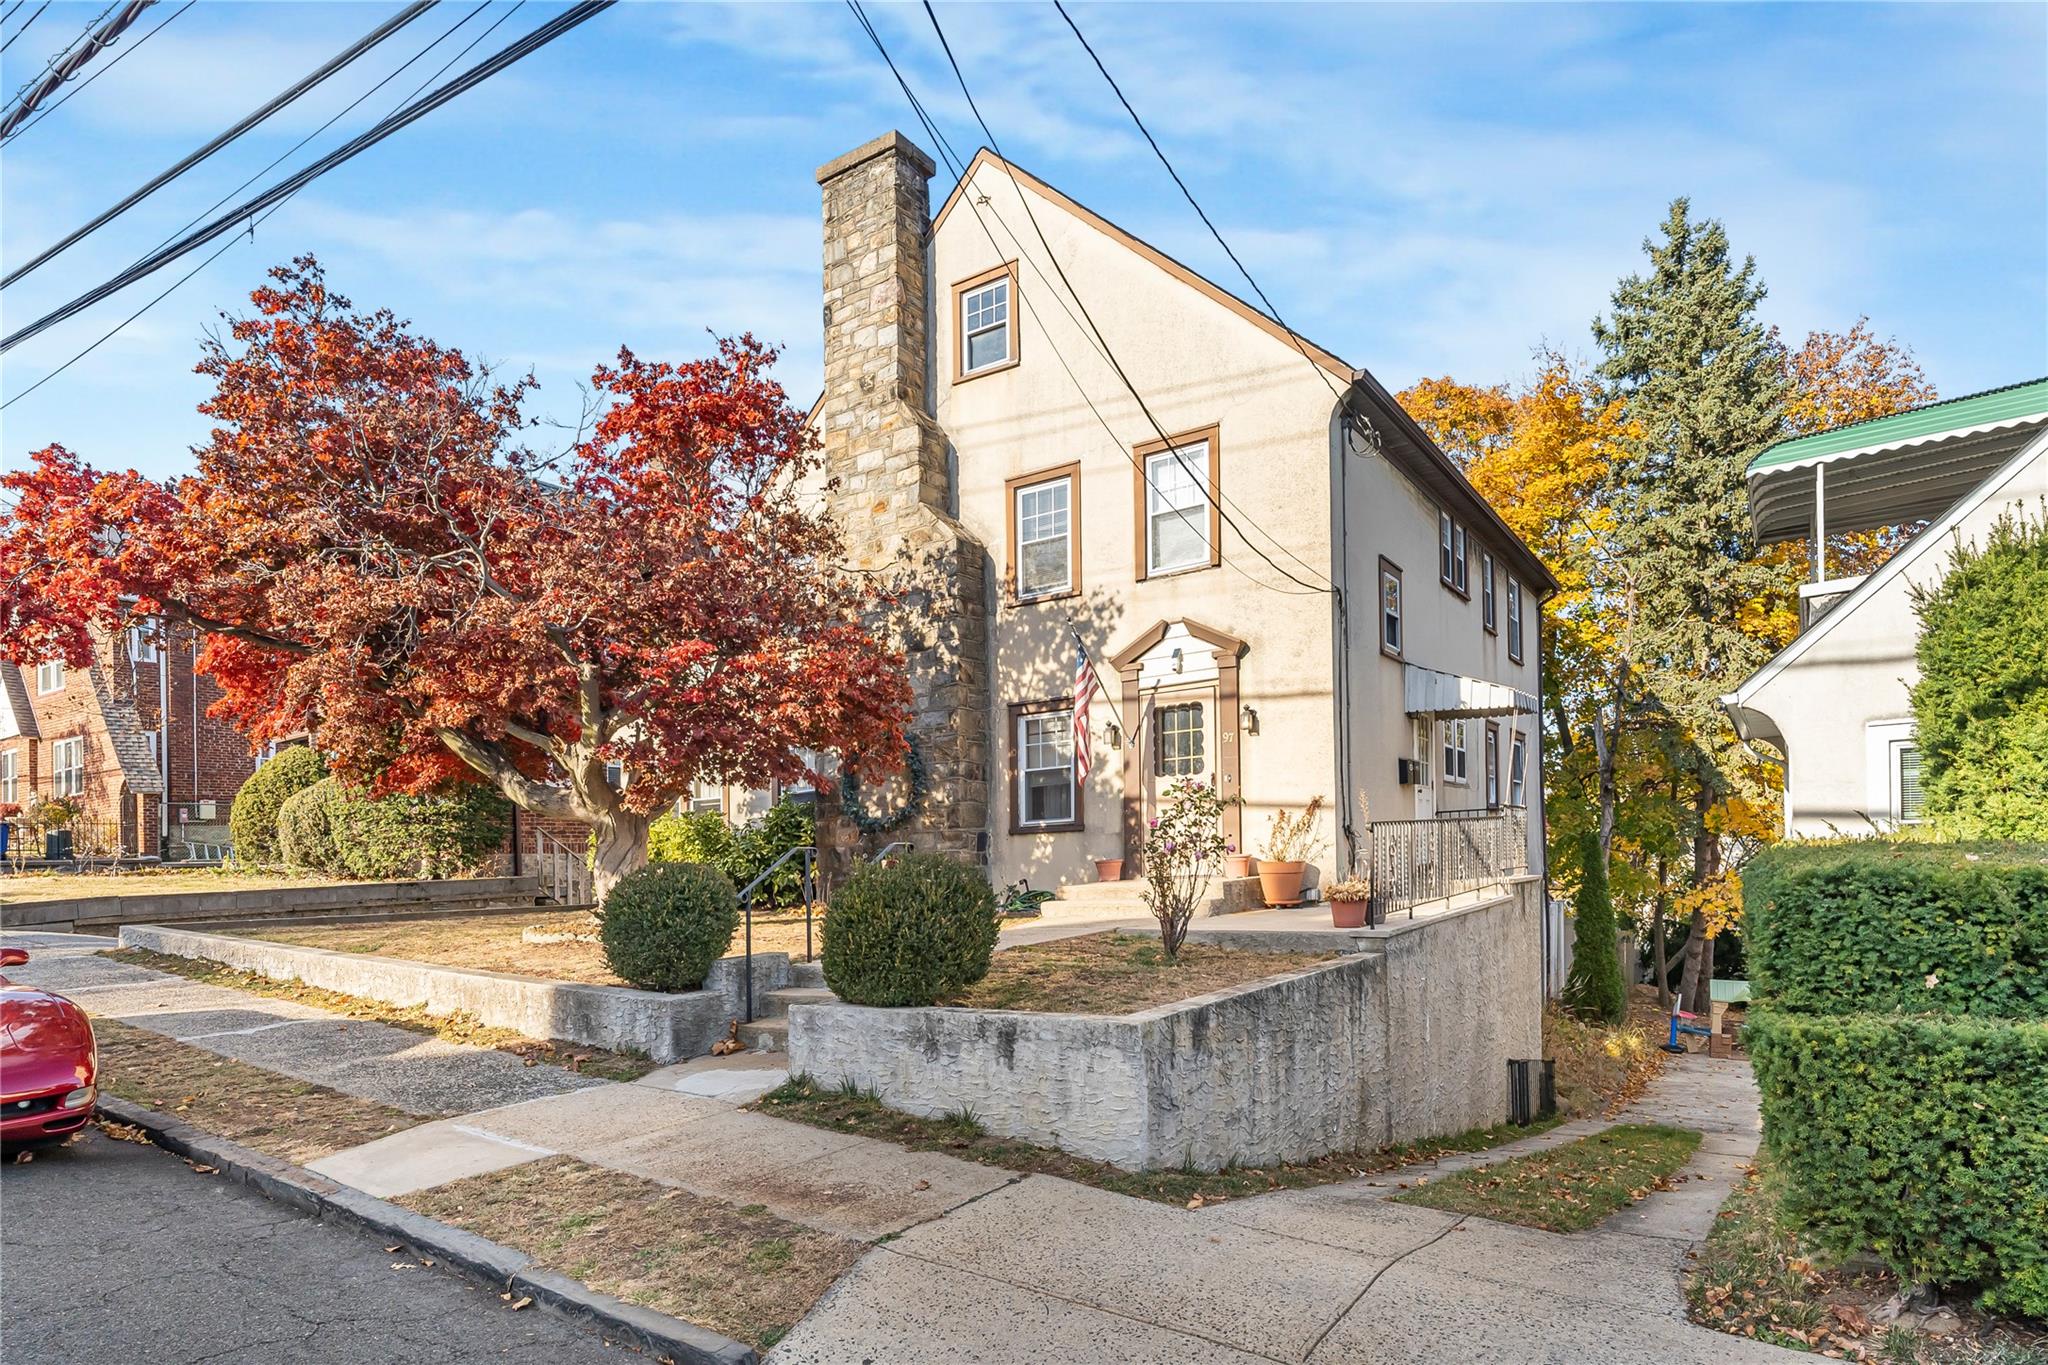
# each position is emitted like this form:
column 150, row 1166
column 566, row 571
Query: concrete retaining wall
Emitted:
column 1405, row 1039
column 97, row 914
column 668, row 1028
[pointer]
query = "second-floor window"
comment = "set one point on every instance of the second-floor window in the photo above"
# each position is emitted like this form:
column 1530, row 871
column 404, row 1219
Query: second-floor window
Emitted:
column 67, row 767
column 1514, row 620
column 1180, row 521
column 1488, row 614
column 49, row 676
column 142, row 644
column 986, row 319
column 1047, row 545
column 1456, row 770
column 1451, row 553
column 1390, row 608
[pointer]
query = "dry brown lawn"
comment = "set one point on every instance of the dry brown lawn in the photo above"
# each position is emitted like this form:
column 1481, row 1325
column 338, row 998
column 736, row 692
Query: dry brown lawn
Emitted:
column 1117, row 974
column 740, row 1271
column 493, row 942
column 64, row 886
column 274, row 1114
column 1600, row 1067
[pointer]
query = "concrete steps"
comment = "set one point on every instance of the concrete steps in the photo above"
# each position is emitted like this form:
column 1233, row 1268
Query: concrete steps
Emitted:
column 770, row 1030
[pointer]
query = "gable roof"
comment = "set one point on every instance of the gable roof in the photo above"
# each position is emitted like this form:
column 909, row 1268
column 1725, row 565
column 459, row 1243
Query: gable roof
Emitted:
column 1410, row 449
column 1936, row 534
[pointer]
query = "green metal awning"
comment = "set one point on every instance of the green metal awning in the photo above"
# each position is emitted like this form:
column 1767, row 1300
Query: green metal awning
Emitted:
column 1910, row 466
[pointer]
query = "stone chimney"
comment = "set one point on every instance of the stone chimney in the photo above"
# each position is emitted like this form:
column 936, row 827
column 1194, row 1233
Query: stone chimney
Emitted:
column 893, row 495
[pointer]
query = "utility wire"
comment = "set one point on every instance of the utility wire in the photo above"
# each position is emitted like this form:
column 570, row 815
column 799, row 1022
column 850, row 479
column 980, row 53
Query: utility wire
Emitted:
column 958, row 168
column 277, row 102
column 1200, row 479
column 30, row 20
column 417, row 109
column 97, row 72
column 250, row 235
column 67, row 63
column 24, row 24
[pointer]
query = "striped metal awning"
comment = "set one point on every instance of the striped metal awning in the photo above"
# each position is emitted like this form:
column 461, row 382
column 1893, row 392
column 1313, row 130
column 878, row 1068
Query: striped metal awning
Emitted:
column 1427, row 692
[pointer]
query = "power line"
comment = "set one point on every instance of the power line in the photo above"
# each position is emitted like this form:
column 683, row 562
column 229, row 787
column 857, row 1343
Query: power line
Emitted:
column 98, row 72
column 277, row 102
column 1200, row 479
column 958, row 168
column 67, row 63
column 25, row 23
column 417, row 109
column 274, row 209
column 30, row 20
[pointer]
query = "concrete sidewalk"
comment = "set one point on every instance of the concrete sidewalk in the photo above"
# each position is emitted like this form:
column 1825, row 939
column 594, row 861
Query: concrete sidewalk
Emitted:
column 975, row 1263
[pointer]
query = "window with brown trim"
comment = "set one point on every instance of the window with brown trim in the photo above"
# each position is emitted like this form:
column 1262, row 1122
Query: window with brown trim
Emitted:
column 1390, row 608
column 1045, row 534
column 1045, row 796
column 985, row 323
column 1489, row 612
column 1179, row 517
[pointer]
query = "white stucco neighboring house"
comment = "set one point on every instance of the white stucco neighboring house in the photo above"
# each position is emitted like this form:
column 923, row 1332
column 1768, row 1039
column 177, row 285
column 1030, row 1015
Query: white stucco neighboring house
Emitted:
column 1835, row 703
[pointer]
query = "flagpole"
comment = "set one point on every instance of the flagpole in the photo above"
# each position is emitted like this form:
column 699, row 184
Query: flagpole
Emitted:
column 1095, row 669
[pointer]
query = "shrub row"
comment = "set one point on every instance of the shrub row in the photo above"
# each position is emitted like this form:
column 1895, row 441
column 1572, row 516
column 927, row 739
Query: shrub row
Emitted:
column 1924, row 1140
column 742, row 854
column 252, row 819
column 1880, row 927
column 325, row 828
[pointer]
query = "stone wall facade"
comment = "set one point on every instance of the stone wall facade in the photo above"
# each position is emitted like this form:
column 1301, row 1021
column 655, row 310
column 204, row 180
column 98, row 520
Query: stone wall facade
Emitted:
column 1407, row 1038
column 892, row 491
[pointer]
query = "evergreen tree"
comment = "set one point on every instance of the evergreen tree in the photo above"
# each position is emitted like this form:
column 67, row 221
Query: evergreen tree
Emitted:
column 1593, row 990
column 1705, row 389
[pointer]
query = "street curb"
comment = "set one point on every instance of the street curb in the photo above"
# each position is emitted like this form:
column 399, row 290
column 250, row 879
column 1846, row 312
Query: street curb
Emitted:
column 479, row 1258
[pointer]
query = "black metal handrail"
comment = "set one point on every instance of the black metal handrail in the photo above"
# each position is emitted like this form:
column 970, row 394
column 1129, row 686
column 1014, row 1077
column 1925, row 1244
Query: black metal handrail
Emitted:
column 807, row 854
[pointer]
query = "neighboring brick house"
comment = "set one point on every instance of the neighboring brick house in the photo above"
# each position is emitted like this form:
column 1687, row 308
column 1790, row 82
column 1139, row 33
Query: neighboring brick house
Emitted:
column 130, row 740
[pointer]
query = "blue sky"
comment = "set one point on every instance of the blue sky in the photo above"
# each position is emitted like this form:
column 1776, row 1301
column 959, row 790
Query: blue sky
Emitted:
column 1423, row 189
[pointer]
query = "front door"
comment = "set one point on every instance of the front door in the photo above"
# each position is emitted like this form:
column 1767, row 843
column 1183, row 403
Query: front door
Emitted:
column 1179, row 739
column 1427, row 756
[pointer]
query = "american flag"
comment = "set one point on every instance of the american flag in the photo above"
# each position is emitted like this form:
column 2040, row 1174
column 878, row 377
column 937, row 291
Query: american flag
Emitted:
column 1084, row 689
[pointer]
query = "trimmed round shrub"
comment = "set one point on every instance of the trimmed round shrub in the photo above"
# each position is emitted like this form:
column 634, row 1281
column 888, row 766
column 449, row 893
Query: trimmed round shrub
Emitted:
column 397, row 838
column 664, row 924
column 252, row 820
column 910, row 933
column 305, row 828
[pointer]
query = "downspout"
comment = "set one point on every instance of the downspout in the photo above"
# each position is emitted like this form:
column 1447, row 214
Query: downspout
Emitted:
column 1342, row 623
column 163, row 742
column 193, row 679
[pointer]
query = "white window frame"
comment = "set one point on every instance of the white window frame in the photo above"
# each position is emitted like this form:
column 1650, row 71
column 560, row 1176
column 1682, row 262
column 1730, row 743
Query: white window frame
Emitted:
column 1005, row 282
column 1518, row 766
column 1391, row 620
column 49, row 677
column 67, row 766
column 1489, row 609
column 1492, row 766
column 1200, row 732
column 1457, row 754
column 1196, row 514
column 1895, row 757
column 1062, row 723
column 142, row 645
column 1515, row 620
column 1065, row 517
column 10, row 776
column 1461, row 577
column 1444, row 538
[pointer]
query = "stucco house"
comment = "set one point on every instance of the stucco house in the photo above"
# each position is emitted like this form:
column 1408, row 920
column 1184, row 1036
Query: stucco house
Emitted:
column 1080, row 454
column 129, row 739
column 1835, row 702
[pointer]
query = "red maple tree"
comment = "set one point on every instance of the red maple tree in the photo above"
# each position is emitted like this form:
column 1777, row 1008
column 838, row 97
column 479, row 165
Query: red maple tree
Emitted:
column 383, row 561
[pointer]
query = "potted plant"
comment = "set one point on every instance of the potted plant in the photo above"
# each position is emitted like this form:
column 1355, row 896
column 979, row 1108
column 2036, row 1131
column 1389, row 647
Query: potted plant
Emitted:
column 1237, row 864
column 1109, row 869
column 1289, row 845
column 1350, row 902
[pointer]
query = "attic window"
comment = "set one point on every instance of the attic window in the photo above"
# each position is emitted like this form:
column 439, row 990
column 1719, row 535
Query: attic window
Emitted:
column 985, row 319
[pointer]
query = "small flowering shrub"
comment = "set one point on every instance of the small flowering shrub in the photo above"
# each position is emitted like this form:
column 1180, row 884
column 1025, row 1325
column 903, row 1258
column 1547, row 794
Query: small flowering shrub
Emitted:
column 1184, row 848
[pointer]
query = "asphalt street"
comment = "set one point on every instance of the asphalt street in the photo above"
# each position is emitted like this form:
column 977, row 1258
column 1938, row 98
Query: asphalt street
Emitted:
column 117, row 1251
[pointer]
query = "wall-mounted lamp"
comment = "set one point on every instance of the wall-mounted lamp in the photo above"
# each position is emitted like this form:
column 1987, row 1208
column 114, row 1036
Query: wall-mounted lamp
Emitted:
column 1178, row 660
column 1251, row 719
column 1116, row 735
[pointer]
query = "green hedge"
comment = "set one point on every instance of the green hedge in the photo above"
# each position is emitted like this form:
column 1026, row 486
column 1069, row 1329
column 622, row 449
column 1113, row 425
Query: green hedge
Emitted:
column 1924, row 1140
column 326, row 828
column 909, row 932
column 252, row 820
column 742, row 854
column 1877, row 927
column 305, row 828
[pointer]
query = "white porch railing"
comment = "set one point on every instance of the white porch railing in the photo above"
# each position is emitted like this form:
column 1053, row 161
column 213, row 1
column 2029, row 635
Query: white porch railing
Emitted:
column 564, row 872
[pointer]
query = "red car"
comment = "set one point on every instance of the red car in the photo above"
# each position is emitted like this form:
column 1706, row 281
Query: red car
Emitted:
column 49, row 1063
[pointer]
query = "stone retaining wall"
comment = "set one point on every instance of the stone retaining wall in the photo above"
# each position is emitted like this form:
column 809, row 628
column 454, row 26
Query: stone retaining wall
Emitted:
column 90, row 914
column 1405, row 1039
column 668, row 1028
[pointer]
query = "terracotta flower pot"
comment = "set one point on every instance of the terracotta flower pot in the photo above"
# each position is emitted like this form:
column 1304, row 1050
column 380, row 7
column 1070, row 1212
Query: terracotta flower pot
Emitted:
column 1347, row 914
column 1237, row 865
column 1280, row 883
column 1109, row 869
